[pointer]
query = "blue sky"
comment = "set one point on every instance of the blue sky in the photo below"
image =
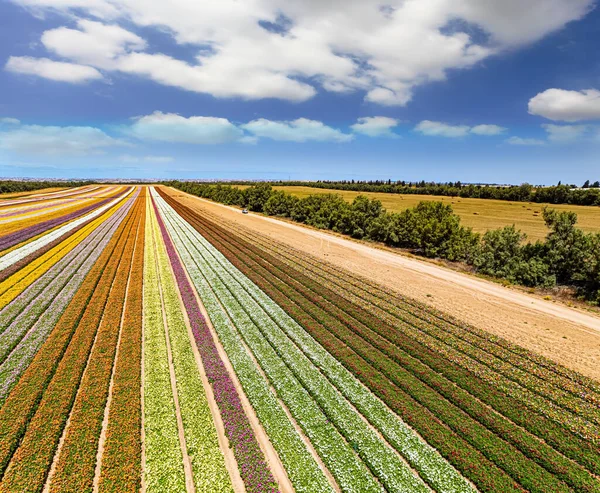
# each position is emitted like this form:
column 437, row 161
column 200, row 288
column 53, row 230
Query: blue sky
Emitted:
column 470, row 90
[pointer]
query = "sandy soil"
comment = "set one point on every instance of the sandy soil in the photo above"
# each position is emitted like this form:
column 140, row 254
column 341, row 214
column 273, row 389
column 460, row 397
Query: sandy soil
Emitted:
column 565, row 335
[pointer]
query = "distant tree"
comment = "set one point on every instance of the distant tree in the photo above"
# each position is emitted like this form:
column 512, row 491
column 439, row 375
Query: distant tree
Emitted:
column 256, row 197
column 596, row 184
column 356, row 219
column 586, row 184
column 280, row 204
column 567, row 247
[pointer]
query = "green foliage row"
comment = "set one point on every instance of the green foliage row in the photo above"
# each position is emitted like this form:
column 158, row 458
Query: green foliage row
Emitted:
column 301, row 467
column 568, row 256
column 287, row 285
column 349, row 471
column 208, row 464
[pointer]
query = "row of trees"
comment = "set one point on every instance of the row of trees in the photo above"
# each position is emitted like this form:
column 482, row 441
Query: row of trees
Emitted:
column 568, row 256
column 559, row 194
column 13, row 186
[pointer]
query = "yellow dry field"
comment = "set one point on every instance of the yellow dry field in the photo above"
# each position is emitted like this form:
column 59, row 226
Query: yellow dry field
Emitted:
column 479, row 214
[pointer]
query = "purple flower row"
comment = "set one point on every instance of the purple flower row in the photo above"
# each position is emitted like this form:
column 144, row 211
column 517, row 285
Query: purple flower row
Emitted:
column 253, row 467
column 24, row 234
column 51, row 204
column 28, row 331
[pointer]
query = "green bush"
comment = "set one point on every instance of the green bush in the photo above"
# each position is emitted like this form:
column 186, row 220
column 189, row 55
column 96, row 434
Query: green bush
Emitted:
column 568, row 256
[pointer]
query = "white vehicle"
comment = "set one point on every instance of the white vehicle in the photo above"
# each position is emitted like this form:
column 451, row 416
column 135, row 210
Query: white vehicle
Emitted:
column 245, row 211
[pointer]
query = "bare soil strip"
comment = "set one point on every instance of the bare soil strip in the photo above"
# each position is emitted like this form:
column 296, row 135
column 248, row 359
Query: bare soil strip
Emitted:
column 568, row 336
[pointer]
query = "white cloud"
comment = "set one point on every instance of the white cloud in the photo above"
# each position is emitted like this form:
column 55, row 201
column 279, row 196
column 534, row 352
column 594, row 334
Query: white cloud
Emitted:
column 223, row 82
column 128, row 158
column 568, row 106
column 170, row 127
column 375, row 126
column 565, row 133
column 174, row 128
column 514, row 22
column 441, row 129
column 50, row 69
column 387, row 97
column 338, row 45
column 519, row 141
column 53, row 140
column 299, row 130
column 97, row 8
column 488, row 130
column 93, row 44
column 428, row 127
column 9, row 121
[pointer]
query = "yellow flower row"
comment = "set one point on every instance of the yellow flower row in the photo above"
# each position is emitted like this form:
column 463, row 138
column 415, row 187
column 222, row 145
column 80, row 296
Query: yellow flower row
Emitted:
column 11, row 287
column 29, row 220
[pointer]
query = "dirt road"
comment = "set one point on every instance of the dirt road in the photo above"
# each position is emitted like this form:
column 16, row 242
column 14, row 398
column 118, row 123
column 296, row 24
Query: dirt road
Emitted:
column 568, row 336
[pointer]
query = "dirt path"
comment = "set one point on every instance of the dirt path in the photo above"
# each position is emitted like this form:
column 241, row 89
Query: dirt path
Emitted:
column 568, row 336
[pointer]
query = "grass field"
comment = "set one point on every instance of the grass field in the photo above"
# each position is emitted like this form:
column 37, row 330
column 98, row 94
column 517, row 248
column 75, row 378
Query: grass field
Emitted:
column 479, row 214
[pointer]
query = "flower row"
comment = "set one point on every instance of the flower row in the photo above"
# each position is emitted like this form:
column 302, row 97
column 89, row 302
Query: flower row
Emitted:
column 538, row 452
column 31, row 317
column 301, row 467
column 369, row 447
column 519, row 408
column 33, row 416
column 251, row 462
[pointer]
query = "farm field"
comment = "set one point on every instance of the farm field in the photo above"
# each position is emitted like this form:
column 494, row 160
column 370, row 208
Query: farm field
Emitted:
column 149, row 342
column 479, row 214
column 31, row 193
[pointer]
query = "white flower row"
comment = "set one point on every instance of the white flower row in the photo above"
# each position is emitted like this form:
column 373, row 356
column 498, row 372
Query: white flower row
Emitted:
column 430, row 464
column 43, row 196
column 33, row 314
column 22, row 252
column 21, row 212
column 303, row 471
column 281, row 359
column 208, row 463
column 43, row 211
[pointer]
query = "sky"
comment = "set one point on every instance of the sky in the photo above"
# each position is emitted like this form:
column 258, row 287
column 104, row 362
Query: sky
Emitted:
column 479, row 91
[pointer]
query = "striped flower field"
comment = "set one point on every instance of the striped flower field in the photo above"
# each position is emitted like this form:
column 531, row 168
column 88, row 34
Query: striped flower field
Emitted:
column 145, row 346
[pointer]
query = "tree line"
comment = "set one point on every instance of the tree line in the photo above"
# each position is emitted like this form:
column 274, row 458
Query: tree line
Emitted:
column 13, row 186
column 589, row 194
column 568, row 256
